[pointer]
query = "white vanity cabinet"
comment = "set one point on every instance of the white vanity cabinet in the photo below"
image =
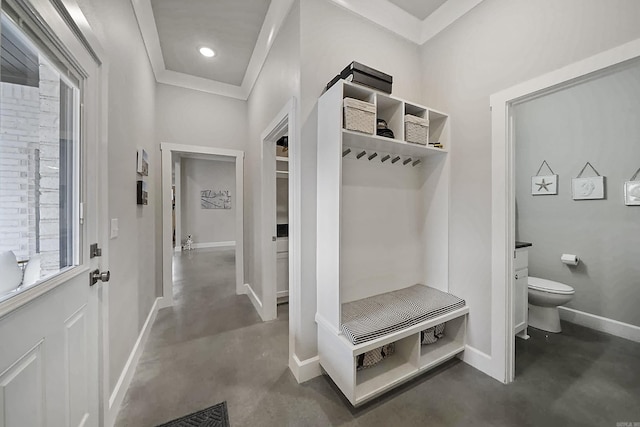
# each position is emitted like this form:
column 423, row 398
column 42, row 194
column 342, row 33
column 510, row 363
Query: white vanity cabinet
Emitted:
column 520, row 292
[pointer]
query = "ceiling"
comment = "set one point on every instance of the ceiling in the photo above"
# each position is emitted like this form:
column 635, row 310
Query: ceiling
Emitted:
column 229, row 27
column 421, row 9
column 241, row 33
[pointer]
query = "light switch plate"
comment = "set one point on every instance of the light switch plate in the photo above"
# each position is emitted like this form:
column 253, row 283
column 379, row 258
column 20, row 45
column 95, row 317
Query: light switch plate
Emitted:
column 114, row 228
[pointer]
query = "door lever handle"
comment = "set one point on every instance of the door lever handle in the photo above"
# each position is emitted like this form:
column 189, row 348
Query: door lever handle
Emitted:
column 96, row 275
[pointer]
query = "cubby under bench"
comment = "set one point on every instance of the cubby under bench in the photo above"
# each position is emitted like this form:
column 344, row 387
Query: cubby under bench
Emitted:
column 339, row 355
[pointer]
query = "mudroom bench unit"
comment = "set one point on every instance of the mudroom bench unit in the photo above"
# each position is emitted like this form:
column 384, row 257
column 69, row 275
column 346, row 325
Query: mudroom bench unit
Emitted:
column 382, row 232
column 410, row 356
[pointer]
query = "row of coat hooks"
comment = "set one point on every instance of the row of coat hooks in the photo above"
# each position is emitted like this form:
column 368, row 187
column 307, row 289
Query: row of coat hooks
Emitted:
column 383, row 158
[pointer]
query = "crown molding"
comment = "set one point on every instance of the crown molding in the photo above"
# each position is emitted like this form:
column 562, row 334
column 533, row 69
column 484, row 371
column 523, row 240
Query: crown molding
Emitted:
column 276, row 14
column 400, row 22
column 386, row 15
column 449, row 12
column 380, row 12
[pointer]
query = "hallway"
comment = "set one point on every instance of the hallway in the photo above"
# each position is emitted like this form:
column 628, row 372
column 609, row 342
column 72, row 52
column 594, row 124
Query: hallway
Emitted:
column 211, row 346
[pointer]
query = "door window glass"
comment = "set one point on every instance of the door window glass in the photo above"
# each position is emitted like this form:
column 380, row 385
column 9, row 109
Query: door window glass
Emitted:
column 39, row 163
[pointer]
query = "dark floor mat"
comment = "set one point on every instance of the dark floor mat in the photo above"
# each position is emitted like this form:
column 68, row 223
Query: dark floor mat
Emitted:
column 215, row 416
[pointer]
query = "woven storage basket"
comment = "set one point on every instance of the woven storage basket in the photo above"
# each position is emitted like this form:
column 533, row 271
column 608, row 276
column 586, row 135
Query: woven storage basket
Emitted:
column 359, row 116
column 416, row 129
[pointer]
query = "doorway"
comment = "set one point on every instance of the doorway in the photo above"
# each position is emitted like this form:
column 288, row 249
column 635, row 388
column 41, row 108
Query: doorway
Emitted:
column 54, row 195
column 203, row 201
column 278, row 234
column 503, row 106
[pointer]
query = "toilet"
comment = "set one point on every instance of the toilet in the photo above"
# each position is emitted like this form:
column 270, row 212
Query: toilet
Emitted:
column 544, row 298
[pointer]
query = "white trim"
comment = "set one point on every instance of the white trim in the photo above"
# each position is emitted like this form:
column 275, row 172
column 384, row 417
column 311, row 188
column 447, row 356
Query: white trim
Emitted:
column 280, row 125
column 168, row 150
column 305, row 370
column 229, row 244
column 282, row 294
column 398, row 21
column 257, row 304
column 274, row 19
column 387, row 15
column 503, row 199
column 478, row 359
column 449, row 12
column 39, row 289
column 124, row 381
column 602, row 324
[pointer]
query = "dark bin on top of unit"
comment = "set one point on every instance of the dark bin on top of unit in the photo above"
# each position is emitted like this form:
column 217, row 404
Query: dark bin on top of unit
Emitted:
column 361, row 74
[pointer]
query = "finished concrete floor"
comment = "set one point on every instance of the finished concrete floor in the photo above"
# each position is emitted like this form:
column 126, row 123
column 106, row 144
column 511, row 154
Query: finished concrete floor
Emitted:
column 211, row 346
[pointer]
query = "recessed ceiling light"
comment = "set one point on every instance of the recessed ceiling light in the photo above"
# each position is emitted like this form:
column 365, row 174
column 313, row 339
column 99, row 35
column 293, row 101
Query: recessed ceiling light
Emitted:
column 208, row 52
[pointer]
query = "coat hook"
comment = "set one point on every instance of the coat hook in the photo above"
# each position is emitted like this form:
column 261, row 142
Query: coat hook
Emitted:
column 345, row 152
column 359, row 155
column 395, row 159
column 407, row 161
column 385, row 158
column 373, row 156
column 416, row 163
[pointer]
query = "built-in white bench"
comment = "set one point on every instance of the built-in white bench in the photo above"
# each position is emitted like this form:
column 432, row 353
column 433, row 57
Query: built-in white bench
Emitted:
column 393, row 317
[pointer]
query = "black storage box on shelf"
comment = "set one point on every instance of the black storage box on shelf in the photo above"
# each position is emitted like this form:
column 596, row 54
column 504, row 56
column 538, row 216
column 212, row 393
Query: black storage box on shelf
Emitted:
column 361, row 74
column 367, row 76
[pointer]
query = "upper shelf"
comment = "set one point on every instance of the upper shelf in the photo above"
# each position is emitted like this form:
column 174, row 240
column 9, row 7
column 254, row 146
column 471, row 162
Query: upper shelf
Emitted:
column 377, row 143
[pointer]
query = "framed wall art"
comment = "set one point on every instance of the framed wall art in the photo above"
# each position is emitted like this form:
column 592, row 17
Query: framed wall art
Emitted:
column 544, row 185
column 632, row 191
column 142, row 162
column 588, row 188
column 215, row 199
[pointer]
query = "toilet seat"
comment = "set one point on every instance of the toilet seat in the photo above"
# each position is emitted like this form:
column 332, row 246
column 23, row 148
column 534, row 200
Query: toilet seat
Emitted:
column 544, row 285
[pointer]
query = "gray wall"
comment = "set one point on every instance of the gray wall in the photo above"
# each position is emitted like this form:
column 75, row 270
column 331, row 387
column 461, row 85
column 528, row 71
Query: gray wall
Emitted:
column 596, row 121
column 496, row 45
column 207, row 225
column 134, row 257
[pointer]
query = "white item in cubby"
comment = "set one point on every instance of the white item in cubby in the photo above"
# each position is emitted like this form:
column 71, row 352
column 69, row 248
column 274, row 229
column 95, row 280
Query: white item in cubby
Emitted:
column 416, row 129
column 359, row 116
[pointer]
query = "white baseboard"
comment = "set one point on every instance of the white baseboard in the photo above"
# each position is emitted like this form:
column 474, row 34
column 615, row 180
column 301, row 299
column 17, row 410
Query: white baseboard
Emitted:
column 119, row 391
column 257, row 304
column 306, row 369
column 229, row 244
column 602, row 324
column 478, row 359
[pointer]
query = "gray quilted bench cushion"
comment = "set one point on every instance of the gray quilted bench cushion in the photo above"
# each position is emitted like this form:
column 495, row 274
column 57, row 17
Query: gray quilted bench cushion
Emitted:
column 370, row 318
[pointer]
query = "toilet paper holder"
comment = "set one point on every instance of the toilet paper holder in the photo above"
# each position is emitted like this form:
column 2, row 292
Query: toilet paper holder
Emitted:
column 569, row 259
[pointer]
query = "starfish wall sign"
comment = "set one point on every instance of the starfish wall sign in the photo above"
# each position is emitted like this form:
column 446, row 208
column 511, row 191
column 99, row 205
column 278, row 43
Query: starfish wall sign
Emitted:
column 544, row 185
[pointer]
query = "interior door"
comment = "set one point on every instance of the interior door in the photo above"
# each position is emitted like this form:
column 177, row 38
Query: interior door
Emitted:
column 49, row 357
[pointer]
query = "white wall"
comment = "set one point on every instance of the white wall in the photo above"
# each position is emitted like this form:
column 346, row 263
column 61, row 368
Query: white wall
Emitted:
column 381, row 244
column 498, row 44
column 207, row 226
column 277, row 83
column 331, row 38
column 134, row 256
column 596, row 122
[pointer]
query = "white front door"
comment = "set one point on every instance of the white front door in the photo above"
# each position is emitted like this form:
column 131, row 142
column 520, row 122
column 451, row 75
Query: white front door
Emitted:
column 51, row 211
